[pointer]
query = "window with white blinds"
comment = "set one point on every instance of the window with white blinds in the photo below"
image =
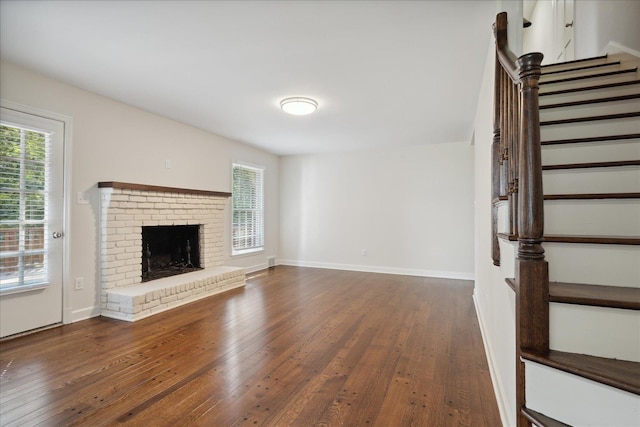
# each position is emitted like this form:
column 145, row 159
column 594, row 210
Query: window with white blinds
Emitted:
column 247, row 209
column 24, row 157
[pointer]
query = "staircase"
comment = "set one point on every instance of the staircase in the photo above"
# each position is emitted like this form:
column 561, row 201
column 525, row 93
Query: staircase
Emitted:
column 590, row 141
column 586, row 371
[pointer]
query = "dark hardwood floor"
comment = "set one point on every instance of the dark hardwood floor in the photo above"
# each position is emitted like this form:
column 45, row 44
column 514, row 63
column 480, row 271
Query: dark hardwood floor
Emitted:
column 295, row 347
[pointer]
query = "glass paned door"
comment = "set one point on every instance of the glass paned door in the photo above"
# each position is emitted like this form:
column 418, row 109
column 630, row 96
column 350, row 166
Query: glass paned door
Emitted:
column 31, row 201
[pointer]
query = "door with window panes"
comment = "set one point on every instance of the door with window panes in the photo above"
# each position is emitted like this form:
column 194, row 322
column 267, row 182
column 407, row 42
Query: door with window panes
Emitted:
column 31, row 219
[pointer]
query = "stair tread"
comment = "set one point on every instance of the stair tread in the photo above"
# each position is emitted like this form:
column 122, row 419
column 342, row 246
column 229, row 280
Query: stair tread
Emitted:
column 618, row 163
column 592, row 139
column 541, row 419
column 582, row 68
column 595, row 295
column 592, row 196
column 604, row 240
column 621, row 374
column 587, row 88
column 591, row 101
column 566, row 238
column 574, row 61
column 589, row 76
column 591, row 118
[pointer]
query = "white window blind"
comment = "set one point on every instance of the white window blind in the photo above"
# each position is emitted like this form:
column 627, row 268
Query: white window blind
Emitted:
column 248, row 209
column 24, row 167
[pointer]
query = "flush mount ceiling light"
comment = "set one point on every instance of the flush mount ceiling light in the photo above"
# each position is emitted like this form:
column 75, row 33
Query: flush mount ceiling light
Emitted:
column 298, row 106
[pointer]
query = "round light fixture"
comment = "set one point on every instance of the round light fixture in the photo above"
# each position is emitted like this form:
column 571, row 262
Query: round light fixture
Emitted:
column 298, row 106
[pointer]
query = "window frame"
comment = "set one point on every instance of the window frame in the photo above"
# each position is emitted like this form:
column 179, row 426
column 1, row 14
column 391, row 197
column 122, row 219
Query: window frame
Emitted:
column 258, row 223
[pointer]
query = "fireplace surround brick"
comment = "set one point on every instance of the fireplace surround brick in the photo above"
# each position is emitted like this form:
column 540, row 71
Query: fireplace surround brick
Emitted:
column 125, row 209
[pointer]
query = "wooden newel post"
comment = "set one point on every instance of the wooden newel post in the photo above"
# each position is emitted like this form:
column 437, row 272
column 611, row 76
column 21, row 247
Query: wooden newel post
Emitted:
column 532, row 272
column 530, row 201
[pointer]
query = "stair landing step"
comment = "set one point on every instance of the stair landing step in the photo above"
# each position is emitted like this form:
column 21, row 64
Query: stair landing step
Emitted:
column 573, row 62
column 541, row 420
column 621, row 374
column 580, row 68
column 592, row 139
column 620, row 163
column 592, row 196
column 595, row 295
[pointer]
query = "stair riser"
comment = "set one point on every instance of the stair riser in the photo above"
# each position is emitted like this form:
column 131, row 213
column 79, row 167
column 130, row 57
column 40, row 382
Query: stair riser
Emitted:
column 606, row 151
column 598, row 180
column 577, row 401
column 590, row 129
column 572, row 84
column 592, row 217
column 597, row 331
column 594, row 264
column 567, row 74
column 590, row 110
column 590, row 94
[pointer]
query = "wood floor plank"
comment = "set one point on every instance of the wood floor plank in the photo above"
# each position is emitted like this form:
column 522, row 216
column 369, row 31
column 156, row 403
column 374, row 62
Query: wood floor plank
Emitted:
column 296, row 346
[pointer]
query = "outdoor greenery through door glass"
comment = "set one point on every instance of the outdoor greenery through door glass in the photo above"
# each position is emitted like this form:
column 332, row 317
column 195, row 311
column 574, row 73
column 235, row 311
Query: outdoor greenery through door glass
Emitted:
column 23, row 207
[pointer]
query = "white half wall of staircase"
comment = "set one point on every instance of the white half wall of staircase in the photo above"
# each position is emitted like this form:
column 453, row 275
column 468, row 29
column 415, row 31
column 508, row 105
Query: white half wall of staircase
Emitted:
column 495, row 301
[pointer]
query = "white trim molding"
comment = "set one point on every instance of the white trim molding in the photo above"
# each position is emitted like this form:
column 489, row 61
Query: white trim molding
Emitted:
column 376, row 269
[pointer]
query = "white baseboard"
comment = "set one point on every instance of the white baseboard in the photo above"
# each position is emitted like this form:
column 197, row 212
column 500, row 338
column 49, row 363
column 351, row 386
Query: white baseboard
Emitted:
column 497, row 384
column 257, row 267
column 82, row 314
column 377, row 269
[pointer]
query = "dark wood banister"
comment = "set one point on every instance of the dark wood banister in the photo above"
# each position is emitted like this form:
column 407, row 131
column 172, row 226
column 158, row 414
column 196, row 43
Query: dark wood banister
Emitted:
column 506, row 57
column 517, row 170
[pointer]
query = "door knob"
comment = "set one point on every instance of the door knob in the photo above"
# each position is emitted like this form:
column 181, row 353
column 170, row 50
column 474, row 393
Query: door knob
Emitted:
column 570, row 24
column 57, row 234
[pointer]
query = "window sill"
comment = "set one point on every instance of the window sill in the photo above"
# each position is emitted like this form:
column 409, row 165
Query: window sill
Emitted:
column 246, row 252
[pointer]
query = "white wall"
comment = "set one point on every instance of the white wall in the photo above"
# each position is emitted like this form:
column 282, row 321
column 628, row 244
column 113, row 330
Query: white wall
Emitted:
column 539, row 36
column 410, row 208
column 598, row 22
column 514, row 9
column 112, row 141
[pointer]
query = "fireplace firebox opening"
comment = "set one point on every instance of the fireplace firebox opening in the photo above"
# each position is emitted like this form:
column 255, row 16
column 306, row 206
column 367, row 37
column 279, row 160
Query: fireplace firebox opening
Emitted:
column 169, row 250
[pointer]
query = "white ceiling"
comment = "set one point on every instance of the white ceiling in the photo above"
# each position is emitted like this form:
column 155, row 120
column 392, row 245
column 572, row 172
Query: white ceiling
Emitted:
column 385, row 73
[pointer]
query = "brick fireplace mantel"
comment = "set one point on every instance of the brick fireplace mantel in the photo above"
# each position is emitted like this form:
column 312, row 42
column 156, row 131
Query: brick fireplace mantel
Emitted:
column 125, row 209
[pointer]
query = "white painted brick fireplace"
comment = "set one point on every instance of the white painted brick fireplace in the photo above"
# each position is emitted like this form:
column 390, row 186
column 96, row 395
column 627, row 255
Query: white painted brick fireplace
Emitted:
column 125, row 209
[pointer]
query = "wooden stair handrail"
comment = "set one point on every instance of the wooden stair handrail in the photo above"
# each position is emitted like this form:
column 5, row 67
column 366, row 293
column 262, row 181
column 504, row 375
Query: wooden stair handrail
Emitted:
column 506, row 57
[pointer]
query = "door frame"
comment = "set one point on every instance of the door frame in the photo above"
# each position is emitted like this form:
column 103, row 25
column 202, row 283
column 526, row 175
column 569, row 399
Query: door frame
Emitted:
column 67, row 121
